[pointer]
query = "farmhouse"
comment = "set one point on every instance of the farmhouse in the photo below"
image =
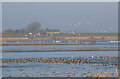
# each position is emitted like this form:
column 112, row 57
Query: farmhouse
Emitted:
column 52, row 31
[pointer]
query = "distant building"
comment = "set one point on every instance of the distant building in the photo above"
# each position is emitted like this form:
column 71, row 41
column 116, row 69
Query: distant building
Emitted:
column 52, row 31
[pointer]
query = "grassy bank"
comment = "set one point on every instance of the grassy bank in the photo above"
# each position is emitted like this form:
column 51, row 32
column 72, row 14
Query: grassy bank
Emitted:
column 62, row 34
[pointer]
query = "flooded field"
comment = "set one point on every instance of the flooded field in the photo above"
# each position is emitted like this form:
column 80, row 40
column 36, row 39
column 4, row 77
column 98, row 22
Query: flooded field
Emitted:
column 56, row 70
column 60, row 63
column 17, row 55
column 54, row 41
column 59, row 47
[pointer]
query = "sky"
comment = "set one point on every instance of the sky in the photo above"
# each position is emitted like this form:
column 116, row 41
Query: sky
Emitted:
column 80, row 17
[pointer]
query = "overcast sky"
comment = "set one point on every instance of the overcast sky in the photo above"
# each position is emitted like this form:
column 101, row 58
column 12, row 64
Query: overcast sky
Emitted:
column 80, row 17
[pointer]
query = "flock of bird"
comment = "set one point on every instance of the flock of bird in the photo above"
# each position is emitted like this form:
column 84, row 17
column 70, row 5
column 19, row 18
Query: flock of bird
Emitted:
column 97, row 60
column 108, row 61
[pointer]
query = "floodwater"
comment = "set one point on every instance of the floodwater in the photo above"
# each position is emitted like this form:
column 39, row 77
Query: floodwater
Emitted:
column 17, row 55
column 52, row 42
column 59, row 47
column 56, row 69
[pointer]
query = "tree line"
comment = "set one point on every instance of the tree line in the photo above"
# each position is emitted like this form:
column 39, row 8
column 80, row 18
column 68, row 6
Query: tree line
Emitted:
column 31, row 28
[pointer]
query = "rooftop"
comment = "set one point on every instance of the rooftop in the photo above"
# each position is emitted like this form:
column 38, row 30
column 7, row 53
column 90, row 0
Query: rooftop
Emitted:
column 52, row 30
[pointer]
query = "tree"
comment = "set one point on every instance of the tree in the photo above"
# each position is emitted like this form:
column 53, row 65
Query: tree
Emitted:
column 34, row 27
column 8, row 31
column 17, row 31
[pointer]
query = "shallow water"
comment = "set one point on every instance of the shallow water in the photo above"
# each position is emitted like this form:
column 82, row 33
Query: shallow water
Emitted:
column 50, row 42
column 12, row 55
column 59, row 47
column 55, row 70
